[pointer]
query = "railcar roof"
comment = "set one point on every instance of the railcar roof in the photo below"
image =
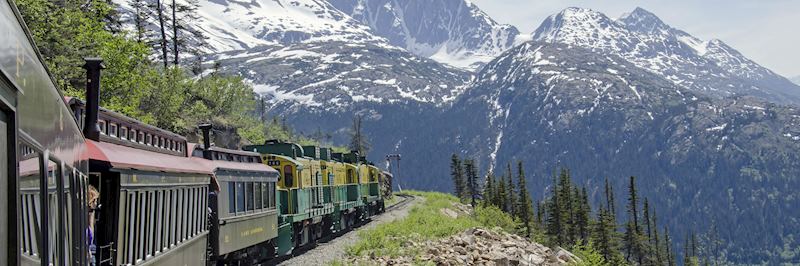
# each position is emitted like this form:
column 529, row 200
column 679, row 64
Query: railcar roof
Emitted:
column 123, row 157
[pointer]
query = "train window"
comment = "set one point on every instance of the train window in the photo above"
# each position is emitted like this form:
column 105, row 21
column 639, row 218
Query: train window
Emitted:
column 239, row 197
column 264, row 196
column 148, row 139
column 258, row 195
column 231, row 197
column 273, row 196
column 159, row 229
column 29, row 172
column 132, row 135
column 249, row 195
column 123, row 132
column 168, row 220
column 53, row 175
column 102, row 125
column 112, row 129
column 181, row 210
column 191, row 204
column 288, row 175
column 151, row 218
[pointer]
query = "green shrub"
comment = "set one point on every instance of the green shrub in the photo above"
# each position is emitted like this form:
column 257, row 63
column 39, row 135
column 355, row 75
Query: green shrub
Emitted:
column 589, row 255
column 491, row 217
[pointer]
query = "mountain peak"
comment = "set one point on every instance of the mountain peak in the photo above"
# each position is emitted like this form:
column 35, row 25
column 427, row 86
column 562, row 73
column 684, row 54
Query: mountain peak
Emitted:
column 572, row 21
column 641, row 20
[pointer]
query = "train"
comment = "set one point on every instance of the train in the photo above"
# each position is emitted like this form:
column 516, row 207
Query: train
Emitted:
column 84, row 185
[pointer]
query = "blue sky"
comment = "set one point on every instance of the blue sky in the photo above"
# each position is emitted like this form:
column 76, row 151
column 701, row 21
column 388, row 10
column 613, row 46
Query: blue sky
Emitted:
column 766, row 31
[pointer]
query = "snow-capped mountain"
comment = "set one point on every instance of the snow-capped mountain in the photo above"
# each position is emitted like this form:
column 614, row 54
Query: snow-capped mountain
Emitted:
column 332, row 76
column 454, row 32
column 700, row 160
column 711, row 67
column 796, row 80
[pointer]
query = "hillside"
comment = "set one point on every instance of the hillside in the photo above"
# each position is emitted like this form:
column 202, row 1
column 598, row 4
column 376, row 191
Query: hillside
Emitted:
column 443, row 231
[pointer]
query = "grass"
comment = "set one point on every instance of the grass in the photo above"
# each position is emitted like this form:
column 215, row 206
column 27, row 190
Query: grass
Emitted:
column 424, row 222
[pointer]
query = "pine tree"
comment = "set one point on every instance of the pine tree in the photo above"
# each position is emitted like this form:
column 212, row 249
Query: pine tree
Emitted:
column 539, row 213
column 604, row 237
column 633, row 232
column 457, row 174
column 501, row 196
column 511, row 199
column 566, row 205
column 582, row 216
column 139, row 16
column 163, row 28
column 649, row 252
column 489, row 190
column 655, row 241
column 358, row 141
column 555, row 225
column 610, row 201
column 524, row 207
column 668, row 248
column 472, row 181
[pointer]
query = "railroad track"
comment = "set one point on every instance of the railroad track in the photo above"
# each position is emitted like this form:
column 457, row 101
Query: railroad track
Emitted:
column 407, row 199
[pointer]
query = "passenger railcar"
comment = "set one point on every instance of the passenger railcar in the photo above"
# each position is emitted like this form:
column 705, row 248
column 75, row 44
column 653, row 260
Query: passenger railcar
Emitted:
column 152, row 195
column 244, row 215
column 42, row 158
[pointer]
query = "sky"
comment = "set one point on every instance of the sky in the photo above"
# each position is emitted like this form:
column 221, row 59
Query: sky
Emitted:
column 766, row 31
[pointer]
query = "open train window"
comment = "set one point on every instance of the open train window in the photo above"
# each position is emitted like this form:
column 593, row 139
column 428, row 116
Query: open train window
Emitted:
column 132, row 135
column 123, row 132
column 148, row 139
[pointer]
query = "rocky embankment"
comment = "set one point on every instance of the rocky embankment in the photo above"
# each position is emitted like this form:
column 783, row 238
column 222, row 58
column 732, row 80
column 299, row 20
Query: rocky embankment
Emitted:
column 477, row 246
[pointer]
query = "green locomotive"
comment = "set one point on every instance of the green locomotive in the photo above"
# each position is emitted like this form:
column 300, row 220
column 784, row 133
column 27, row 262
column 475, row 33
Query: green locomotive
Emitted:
column 320, row 193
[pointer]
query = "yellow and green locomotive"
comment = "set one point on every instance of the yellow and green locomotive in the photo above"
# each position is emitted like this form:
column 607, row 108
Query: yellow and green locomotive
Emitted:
column 320, row 192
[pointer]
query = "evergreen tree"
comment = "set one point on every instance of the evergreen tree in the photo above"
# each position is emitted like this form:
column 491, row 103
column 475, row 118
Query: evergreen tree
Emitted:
column 668, row 248
column 648, row 250
column 472, row 181
column 610, row 200
column 511, row 198
column 163, row 29
column 655, row 241
column 555, row 227
column 604, row 237
column 457, row 174
column 524, row 207
column 489, row 190
column 632, row 229
column 501, row 196
column 139, row 17
column 565, row 202
column 358, row 141
column 539, row 213
column 582, row 216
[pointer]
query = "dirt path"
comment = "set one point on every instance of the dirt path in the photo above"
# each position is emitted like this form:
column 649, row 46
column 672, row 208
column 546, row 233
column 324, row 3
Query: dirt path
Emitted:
column 333, row 250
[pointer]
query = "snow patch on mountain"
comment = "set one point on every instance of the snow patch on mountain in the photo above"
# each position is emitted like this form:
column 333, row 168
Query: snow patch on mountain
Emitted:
column 711, row 67
column 454, row 32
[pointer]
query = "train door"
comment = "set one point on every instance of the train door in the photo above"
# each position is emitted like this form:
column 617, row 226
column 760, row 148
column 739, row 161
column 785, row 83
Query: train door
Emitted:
column 106, row 214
